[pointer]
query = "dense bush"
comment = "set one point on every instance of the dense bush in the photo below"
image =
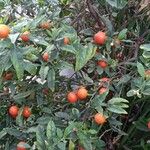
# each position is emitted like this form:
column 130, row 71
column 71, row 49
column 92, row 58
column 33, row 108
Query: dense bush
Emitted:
column 74, row 74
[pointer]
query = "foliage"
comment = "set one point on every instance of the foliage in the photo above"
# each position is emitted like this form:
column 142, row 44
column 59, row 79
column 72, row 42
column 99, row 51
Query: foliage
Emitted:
column 56, row 124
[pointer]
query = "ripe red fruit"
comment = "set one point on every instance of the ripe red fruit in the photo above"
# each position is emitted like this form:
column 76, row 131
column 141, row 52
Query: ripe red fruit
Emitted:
column 100, row 38
column 20, row 146
column 66, row 41
column 45, row 25
column 104, row 79
column 72, row 97
column 45, row 56
column 100, row 119
column 8, row 76
column 80, row 148
column 26, row 112
column 82, row 93
column 102, row 63
column 45, row 91
column 148, row 125
column 102, row 90
column 13, row 111
column 25, row 36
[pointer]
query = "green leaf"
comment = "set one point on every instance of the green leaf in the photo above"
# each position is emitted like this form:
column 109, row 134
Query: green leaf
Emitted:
column 13, row 37
column 39, row 41
column 62, row 115
column 116, row 109
column 141, row 124
column 4, row 59
column 62, row 145
column 146, row 54
column 17, row 63
column 75, row 112
column 98, row 102
column 22, row 95
column 51, row 79
column 3, row 133
column 108, row 24
column 43, row 72
column 70, row 128
column 40, row 139
column 69, row 48
column 123, row 34
column 117, row 100
column 30, row 67
column 119, row 4
column 59, row 133
column 145, row 47
column 146, row 91
column 19, row 25
column 141, row 69
column 83, row 55
column 132, row 92
column 92, row 131
column 71, row 145
column 51, row 130
column 85, row 141
column 14, row 132
column 19, row 119
column 124, row 79
column 116, row 105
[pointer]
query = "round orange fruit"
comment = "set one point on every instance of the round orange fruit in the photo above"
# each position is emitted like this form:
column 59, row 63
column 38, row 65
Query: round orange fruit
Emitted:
column 105, row 79
column 45, row 56
column 102, row 63
column 72, row 97
column 26, row 112
column 102, row 90
column 8, row 76
column 13, row 111
column 4, row 31
column 25, row 36
column 66, row 41
column 99, row 118
column 82, row 93
column 20, row 146
column 148, row 125
column 45, row 25
column 100, row 38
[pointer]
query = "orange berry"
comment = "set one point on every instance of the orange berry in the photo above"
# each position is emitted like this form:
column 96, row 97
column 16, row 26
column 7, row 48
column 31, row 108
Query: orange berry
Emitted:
column 102, row 63
column 148, row 125
column 72, row 97
column 25, row 36
column 26, row 112
column 147, row 74
column 104, row 79
column 13, row 111
column 4, row 31
column 82, row 93
column 45, row 25
column 66, row 41
column 8, row 76
column 102, row 90
column 80, row 148
column 100, row 118
column 45, row 91
column 45, row 56
column 20, row 146
column 100, row 38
